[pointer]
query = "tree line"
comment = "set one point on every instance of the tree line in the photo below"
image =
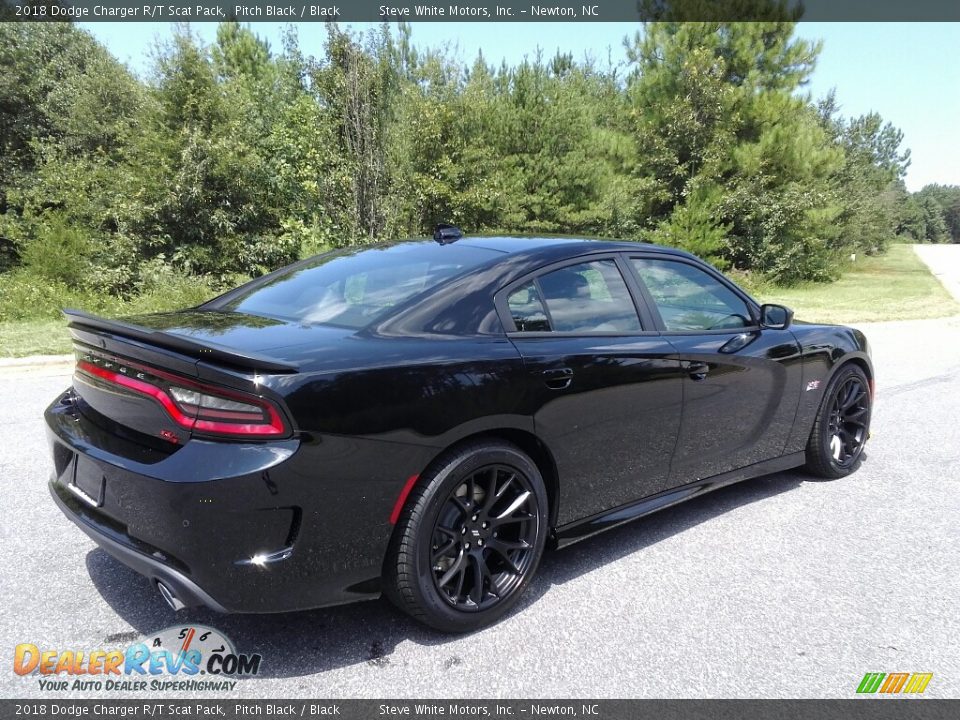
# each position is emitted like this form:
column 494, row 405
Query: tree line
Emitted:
column 230, row 159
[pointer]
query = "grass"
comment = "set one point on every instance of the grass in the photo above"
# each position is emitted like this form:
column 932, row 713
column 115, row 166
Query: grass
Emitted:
column 30, row 319
column 34, row 337
column 894, row 286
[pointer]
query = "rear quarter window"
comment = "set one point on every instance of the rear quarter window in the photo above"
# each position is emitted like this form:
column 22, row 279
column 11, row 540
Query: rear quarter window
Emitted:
column 353, row 288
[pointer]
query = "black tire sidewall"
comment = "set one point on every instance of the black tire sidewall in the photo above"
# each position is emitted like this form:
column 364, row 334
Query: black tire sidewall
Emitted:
column 446, row 479
column 823, row 437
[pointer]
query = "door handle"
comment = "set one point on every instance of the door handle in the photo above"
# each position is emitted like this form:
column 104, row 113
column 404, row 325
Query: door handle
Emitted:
column 557, row 378
column 698, row 370
column 738, row 342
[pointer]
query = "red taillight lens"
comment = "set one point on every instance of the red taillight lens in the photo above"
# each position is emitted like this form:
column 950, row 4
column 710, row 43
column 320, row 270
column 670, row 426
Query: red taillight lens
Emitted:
column 218, row 414
column 190, row 404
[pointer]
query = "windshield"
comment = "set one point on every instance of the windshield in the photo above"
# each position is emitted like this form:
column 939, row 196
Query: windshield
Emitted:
column 353, row 288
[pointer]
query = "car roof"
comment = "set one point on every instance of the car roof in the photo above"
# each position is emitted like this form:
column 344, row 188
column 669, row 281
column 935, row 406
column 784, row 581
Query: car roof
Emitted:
column 512, row 244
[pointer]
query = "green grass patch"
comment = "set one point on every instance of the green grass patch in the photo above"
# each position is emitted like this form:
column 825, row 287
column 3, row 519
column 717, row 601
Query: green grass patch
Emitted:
column 31, row 322
column 894, row 286
column 34, row 337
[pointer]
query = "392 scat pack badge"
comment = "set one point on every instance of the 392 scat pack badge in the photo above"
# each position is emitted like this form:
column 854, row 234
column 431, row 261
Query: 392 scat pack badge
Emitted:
column 181, row 658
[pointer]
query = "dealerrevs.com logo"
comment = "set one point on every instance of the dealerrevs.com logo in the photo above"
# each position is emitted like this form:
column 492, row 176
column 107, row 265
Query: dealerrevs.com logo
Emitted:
column 185, row 658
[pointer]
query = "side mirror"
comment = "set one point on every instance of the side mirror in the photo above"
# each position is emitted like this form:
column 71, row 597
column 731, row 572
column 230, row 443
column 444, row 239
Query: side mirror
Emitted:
column 775, row 317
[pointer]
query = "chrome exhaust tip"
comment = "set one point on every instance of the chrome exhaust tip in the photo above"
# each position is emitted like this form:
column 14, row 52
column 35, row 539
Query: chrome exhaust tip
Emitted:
column 167, row 594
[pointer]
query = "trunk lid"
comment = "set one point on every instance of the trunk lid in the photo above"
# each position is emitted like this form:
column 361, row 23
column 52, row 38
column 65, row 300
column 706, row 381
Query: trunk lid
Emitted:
column 167, row 377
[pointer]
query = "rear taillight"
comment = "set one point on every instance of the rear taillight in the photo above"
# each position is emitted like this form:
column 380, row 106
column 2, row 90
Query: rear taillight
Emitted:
column 190, row 404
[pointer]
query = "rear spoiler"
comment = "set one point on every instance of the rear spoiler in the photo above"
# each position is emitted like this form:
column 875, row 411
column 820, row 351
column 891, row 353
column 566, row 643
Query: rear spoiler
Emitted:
column 202, row 351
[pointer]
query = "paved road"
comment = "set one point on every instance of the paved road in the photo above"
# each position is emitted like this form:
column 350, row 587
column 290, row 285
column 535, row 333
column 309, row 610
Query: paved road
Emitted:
column 944, row 262
column 781, row 586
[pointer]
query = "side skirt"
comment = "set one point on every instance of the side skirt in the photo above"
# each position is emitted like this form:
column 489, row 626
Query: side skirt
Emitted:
column 572, row 532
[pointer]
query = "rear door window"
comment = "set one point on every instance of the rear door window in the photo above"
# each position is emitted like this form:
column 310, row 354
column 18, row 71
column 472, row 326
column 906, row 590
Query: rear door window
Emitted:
column 590, row 297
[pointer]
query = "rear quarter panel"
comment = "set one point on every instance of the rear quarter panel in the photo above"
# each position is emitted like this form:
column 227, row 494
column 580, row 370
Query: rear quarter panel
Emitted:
column 380, row 418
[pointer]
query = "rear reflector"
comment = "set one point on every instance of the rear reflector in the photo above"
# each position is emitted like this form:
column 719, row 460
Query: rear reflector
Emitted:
column 402, row 498
column 190, row 404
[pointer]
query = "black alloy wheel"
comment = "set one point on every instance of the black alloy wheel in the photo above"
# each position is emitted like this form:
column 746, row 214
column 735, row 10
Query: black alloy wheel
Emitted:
column 469, row 539
column 847, row 427
column 835, row 447
column 484, row 538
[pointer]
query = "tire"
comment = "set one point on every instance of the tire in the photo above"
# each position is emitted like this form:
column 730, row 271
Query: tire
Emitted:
column 455, row 530
column 842, row 427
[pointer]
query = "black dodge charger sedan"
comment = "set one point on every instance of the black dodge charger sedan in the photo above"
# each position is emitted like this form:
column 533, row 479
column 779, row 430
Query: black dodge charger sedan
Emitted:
column 420, row 419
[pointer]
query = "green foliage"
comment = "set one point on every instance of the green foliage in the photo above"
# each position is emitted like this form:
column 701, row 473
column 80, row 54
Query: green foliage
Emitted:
column 59, row 252
column 869, row 182
column 34, row 337
column 938, row 207
column 25, row 295
column 694, row 226
column 714, row 105
column 230, row 160
column 894, row 286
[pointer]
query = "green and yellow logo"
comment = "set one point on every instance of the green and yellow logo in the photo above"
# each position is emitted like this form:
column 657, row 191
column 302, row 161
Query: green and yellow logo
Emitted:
column 894, row 683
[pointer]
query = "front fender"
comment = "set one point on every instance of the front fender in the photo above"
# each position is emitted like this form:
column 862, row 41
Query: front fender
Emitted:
column 825, row 349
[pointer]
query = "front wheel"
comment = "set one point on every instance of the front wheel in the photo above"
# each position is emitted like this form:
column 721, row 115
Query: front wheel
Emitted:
column 469, row 539
column 835, row 446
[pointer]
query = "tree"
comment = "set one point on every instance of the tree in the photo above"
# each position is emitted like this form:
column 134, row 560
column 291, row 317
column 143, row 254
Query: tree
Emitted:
column 947, row 199
column 868, row 181
column 356, row 84
column 234, row 159
column 67, row 113
column 205, row 177
column 715, row 106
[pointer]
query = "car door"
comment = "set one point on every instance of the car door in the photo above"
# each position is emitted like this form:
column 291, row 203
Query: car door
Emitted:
column 605, row 391
column 741, row 382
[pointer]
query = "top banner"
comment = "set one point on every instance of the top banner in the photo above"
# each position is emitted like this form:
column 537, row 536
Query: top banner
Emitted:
column 479, row 10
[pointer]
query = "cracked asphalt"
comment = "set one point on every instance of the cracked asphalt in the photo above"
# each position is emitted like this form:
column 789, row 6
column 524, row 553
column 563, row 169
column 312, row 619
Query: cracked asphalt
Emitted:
column 781, row 586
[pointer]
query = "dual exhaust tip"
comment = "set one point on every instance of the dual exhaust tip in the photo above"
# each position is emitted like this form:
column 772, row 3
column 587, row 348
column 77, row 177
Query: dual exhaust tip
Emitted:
column 167, row 594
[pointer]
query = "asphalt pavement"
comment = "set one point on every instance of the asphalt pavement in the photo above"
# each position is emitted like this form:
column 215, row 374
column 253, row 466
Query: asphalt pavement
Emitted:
column 782, row 586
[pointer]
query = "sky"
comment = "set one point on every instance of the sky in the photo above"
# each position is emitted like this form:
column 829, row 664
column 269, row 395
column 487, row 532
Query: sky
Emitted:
column 907, row 72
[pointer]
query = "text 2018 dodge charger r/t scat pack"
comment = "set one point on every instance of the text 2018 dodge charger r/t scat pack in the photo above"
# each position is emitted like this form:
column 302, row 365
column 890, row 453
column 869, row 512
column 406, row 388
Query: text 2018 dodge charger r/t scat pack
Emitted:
column 419, row 419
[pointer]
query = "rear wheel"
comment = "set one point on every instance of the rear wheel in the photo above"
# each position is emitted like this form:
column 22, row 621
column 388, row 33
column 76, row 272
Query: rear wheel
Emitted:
column 835, row 446
column 469, row 539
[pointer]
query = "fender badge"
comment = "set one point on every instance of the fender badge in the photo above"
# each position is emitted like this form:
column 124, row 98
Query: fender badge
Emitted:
column 813, row 385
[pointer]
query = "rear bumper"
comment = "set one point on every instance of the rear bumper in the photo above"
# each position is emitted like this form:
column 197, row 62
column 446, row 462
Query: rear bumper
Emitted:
column 182, row 587
column 237, row 527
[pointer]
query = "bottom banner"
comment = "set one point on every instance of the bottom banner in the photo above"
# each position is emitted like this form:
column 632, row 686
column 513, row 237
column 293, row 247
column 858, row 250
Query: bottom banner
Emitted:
column 486, row 709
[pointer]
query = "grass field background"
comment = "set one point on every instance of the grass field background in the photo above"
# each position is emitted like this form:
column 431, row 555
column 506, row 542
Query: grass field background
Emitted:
column 894, row 286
